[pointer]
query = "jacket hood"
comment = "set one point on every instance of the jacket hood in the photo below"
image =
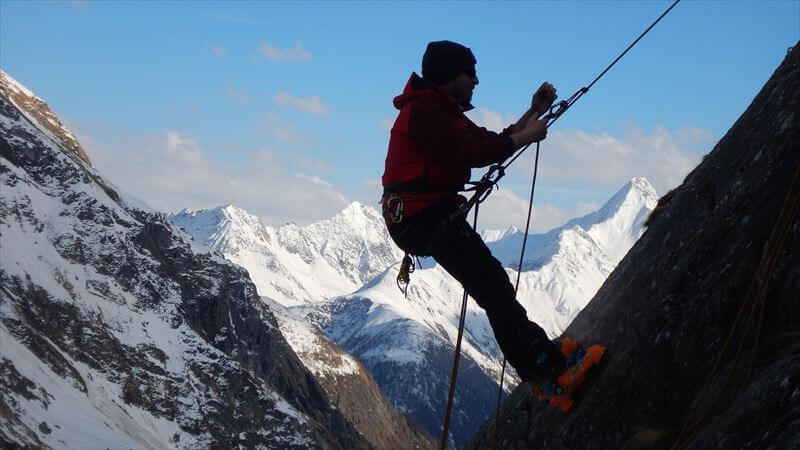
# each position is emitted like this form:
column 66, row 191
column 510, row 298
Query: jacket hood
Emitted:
column 416, row 87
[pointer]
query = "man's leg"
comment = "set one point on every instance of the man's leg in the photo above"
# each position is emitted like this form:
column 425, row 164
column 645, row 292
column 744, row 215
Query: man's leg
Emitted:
column 525, row 345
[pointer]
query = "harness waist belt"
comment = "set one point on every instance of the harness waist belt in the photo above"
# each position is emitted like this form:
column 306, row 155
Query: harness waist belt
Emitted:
column 419, row 187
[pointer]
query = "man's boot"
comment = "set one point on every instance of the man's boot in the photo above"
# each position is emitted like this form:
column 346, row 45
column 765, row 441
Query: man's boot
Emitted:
column 558, row 389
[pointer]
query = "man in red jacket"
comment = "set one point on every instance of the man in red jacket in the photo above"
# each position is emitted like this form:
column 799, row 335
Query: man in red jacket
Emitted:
column 432, row 148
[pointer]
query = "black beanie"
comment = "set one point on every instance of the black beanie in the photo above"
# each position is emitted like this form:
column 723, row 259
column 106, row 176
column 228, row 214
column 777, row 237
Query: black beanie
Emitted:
column 444, row 60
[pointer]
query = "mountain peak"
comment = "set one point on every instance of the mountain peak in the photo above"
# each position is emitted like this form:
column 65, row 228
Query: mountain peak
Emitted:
column 355, row 215
column 357, row 209
column 234, row 212
column 642, row 185
column 636, row 191
column 15, row 86
column 37, row 112
column 496, row 235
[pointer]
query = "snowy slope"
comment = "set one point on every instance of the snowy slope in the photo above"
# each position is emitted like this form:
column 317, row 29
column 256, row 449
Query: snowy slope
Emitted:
column 116, row 331
column 296, row 265
column 563, row 268
column 356, row 393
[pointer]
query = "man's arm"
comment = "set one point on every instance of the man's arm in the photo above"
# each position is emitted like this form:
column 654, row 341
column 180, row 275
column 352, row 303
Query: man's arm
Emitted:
column 520, row 124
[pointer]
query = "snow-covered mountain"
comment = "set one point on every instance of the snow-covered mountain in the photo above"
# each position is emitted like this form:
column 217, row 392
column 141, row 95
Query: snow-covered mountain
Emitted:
column 563, row 268
column 349, row 385
column 402, row 339
column 296, row 265
column 117, row 330
column 408, row 341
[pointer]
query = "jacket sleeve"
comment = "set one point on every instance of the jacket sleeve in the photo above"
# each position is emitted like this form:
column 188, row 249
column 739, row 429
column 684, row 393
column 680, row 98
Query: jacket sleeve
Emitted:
column 448, row 135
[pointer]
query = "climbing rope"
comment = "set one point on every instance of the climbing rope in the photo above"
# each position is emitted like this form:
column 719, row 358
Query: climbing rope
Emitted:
column 755, row 299
column 457, row 355
column 481, row 191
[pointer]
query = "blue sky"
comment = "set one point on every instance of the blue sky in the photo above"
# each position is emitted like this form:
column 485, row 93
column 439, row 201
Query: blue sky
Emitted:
column 282, row 108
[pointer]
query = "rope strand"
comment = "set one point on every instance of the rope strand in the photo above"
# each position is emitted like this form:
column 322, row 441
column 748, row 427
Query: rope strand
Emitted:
column 482, row 190
column 456, row 356
column 516, row 289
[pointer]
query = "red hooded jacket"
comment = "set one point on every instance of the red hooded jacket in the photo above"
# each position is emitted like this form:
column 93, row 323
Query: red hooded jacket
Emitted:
column 433, row 146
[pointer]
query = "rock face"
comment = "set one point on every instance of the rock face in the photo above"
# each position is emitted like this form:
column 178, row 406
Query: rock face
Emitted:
column 720, row 258
column 36, row 109
column 116, row 330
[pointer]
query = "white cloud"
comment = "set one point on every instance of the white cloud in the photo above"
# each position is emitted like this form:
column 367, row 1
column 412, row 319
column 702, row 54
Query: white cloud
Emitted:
column 312, row 105
column 664, row 158
column 370, row 192
column 314, row 179
column 372, row 183
column 577, row 158
column 503, row 208
column 492, row 120
column 281, row 129
column 317, row 165
column 216, row 50
column 173, row 171
column 296, row 53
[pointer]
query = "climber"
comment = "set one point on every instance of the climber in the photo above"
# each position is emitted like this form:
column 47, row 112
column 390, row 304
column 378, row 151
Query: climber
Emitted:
column 432, row 148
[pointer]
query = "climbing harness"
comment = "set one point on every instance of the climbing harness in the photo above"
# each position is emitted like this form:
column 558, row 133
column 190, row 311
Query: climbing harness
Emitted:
column 481, row 191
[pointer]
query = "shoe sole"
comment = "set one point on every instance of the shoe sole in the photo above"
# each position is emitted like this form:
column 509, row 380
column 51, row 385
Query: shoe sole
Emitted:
column 571, row 380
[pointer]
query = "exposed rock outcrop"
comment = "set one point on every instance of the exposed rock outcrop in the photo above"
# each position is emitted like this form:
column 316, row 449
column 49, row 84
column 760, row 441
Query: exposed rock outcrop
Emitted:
column 665, row 313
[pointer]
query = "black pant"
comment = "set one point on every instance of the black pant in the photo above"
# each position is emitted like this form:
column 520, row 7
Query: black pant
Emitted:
column 462, row 252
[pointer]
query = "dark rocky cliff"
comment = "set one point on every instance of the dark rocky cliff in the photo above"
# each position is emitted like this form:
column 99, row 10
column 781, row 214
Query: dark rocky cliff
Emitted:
column 116, row 331
column 716, row 274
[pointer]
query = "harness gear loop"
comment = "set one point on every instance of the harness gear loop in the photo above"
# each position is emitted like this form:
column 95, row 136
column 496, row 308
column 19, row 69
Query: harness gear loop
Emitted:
column 407, row 267
column 393, row 208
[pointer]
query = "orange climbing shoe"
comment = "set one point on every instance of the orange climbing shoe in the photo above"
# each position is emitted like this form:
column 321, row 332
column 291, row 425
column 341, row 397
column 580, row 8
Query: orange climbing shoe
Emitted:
column 559, row 392
column 567, row 345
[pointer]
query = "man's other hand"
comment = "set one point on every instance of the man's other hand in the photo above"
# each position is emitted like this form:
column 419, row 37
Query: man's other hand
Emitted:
column 535, row 130
column 543, row 98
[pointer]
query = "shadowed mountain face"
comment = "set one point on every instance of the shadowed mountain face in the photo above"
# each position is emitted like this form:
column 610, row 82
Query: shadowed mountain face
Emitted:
column 117, row 331
column 720, row 258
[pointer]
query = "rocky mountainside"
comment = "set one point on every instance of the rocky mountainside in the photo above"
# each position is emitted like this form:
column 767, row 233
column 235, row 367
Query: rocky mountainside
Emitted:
column 350, row 386
column 36, row 110
column 116, row 330
column 409, row 341
column 702, row 317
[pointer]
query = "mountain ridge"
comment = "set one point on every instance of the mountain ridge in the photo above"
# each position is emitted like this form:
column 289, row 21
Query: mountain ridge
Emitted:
column 399, row 338
column 118, row 330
